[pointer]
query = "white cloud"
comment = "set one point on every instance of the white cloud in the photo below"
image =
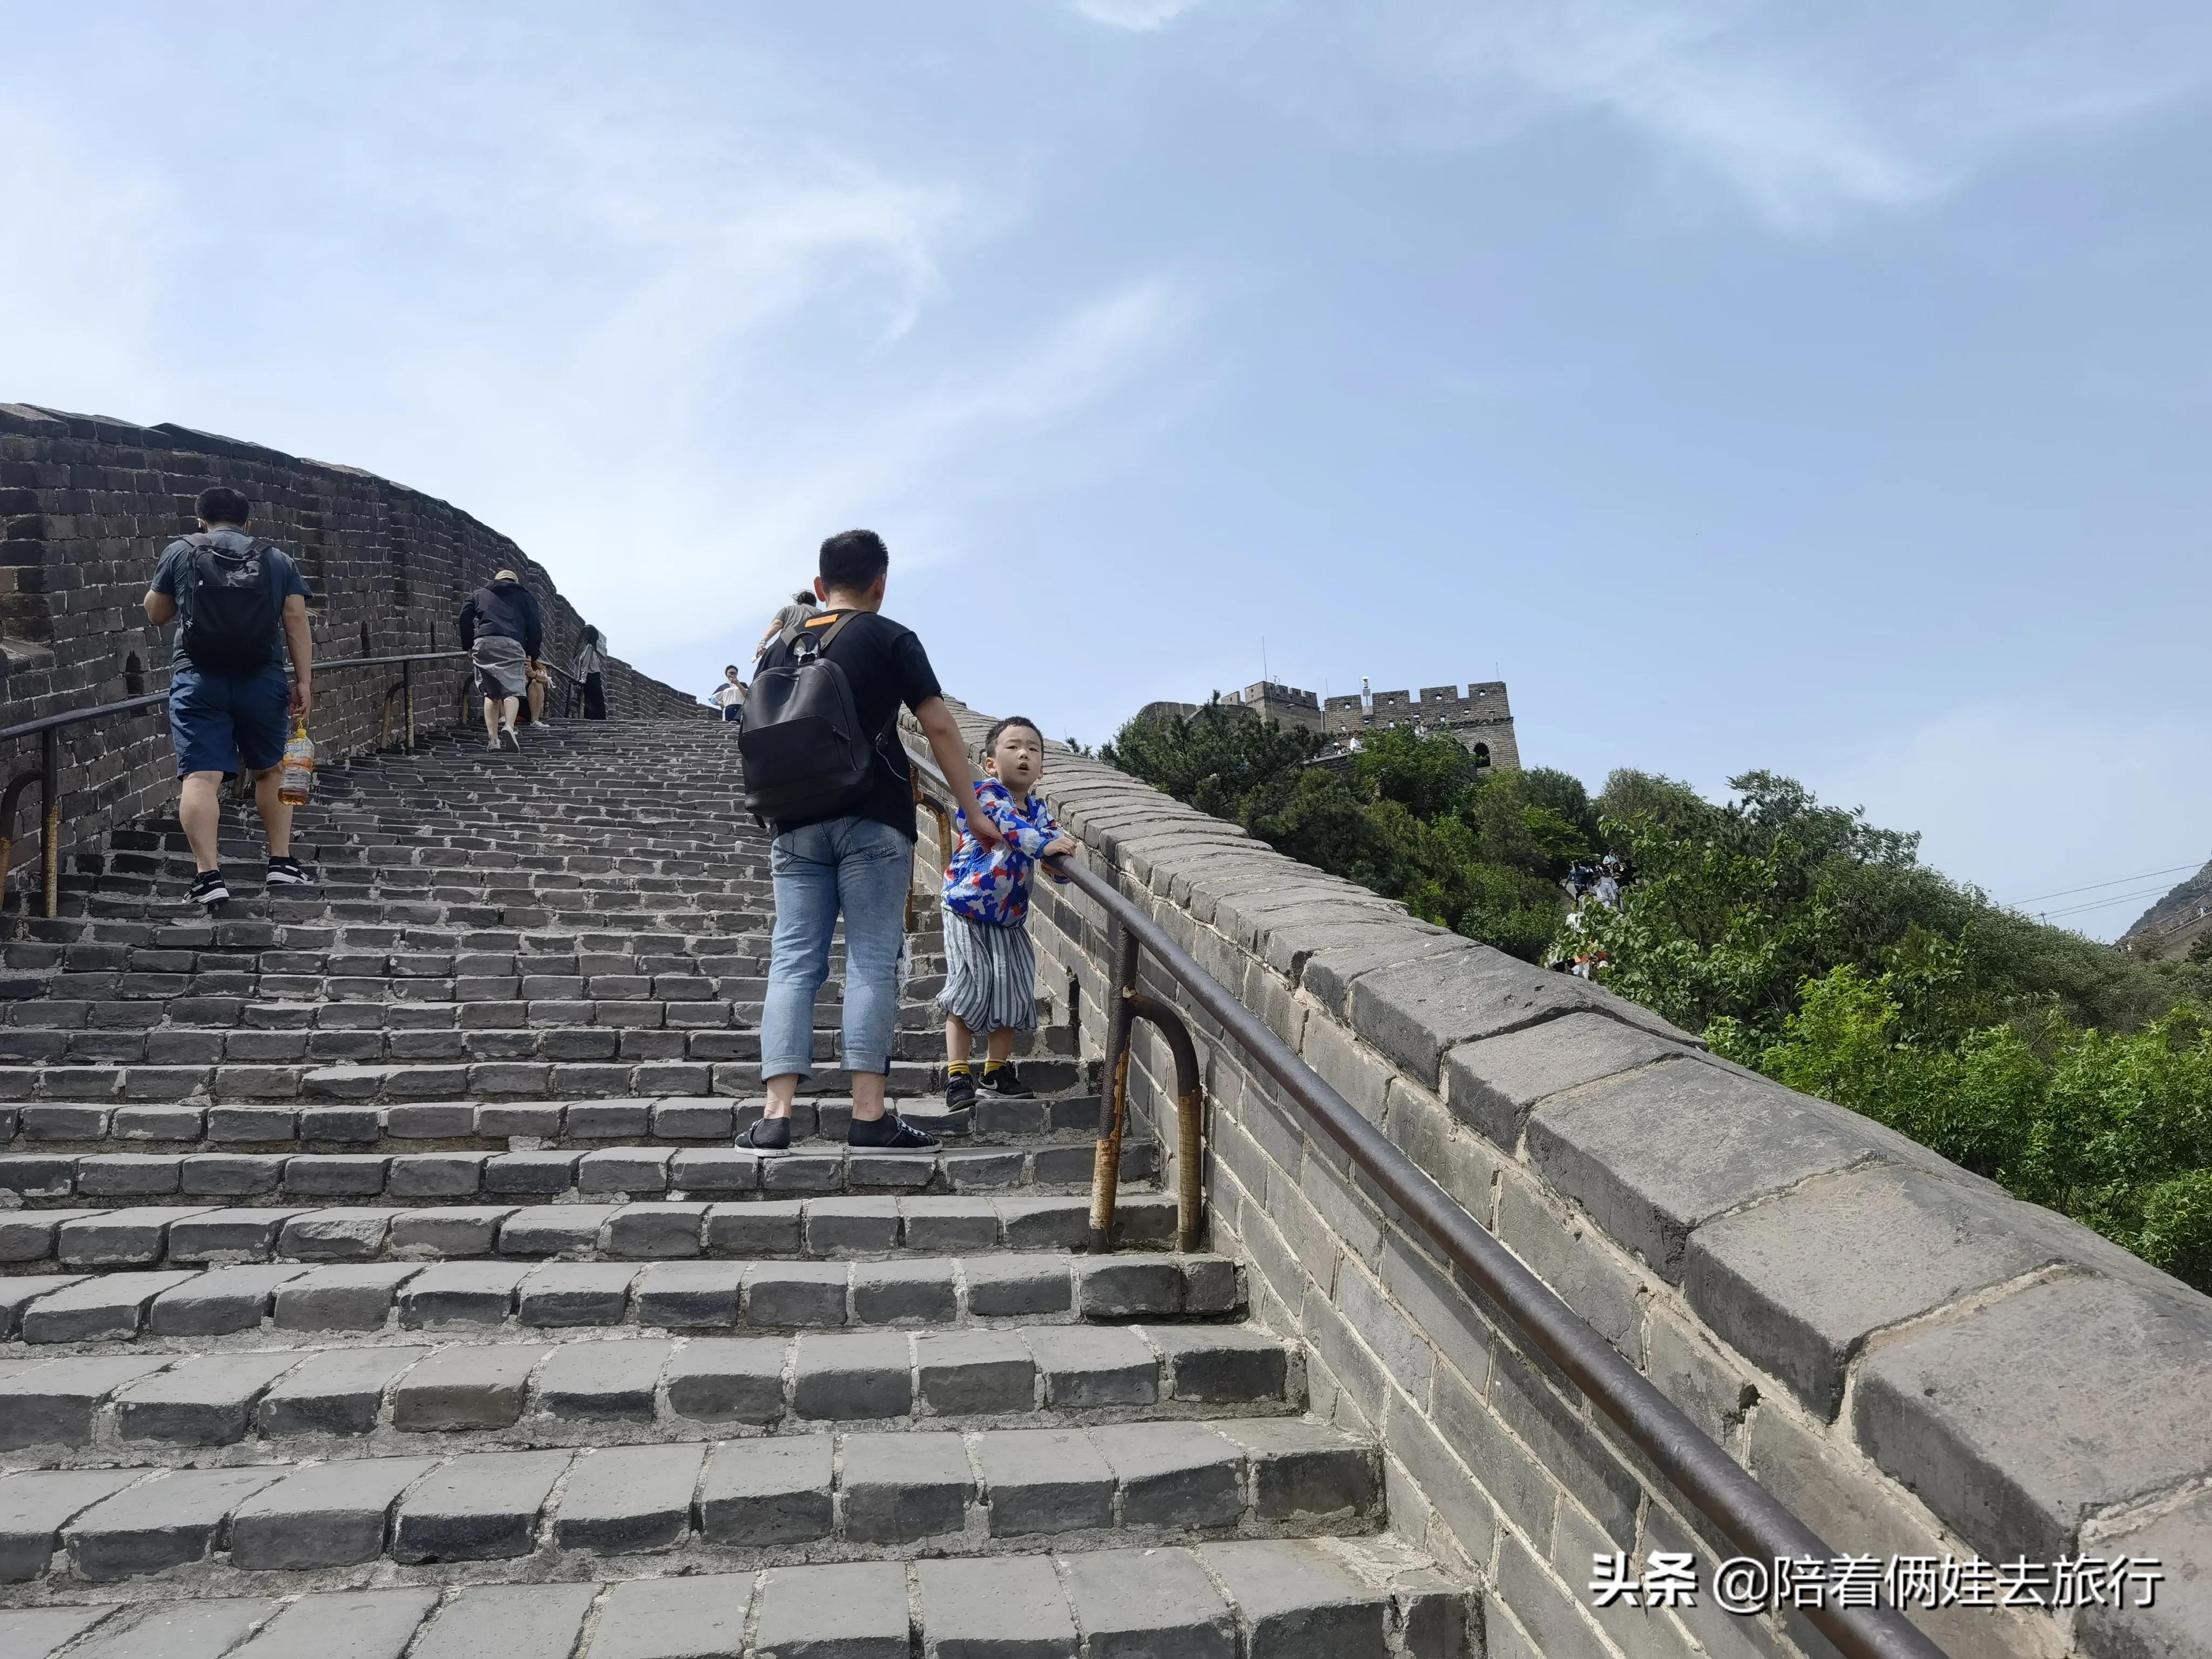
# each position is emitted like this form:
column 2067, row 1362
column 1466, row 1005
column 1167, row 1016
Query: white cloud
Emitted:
column 1810, row 113
column 527, row 265
column 1140, row 15
column 2029, row 799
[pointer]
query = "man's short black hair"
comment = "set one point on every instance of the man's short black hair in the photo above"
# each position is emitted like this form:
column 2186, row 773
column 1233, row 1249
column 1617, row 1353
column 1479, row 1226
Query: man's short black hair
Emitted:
column 852, row 559
column 221, row 504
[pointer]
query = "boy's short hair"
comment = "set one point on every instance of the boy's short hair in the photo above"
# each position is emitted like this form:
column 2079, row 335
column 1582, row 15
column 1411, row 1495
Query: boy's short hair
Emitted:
column 221, row 504
column 991, row 738
column 852, row 559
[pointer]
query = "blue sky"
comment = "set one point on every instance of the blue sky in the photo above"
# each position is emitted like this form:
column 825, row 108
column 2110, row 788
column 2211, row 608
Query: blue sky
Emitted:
column 1822, row 388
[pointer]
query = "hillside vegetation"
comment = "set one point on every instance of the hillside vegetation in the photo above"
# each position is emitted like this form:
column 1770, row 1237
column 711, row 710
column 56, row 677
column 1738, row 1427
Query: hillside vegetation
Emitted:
column 1796, row 937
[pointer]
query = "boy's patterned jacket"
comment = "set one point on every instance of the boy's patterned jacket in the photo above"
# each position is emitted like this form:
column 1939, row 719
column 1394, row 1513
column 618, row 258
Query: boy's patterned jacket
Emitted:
column 993, row 888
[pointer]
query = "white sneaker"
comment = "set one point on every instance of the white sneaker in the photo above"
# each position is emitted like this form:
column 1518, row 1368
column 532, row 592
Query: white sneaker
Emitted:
column 507, row 740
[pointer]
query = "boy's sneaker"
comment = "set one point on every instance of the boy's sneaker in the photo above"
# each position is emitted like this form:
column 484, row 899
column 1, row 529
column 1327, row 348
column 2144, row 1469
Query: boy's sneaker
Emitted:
column 767, row 1134
column 1007, row 1083
column 959, row 1092
column 888, row 1133
column 210, row 889
column 287, row 872
column 507, row 740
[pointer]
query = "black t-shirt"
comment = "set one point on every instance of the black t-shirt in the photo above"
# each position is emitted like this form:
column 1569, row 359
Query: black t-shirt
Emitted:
column 885, row 666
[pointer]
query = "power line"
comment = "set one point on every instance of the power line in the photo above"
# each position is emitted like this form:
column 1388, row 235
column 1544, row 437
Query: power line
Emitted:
column 2066, row 892
column 2136, row 898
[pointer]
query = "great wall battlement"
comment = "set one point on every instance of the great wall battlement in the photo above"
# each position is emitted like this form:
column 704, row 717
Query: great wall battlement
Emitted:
column 1481, row 719
column 85, row 504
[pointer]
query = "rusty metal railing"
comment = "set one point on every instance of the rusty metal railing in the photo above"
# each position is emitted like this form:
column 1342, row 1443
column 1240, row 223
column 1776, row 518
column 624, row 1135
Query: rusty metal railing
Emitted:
column 1700, row 1469
column 47, row 775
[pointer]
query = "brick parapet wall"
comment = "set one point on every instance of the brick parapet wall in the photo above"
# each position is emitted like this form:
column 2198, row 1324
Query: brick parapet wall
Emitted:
column 86, row 506
column 1913, row 1362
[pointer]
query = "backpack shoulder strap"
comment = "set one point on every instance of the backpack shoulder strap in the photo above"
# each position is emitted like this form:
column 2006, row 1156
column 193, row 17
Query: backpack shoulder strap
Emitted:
column 819, row 631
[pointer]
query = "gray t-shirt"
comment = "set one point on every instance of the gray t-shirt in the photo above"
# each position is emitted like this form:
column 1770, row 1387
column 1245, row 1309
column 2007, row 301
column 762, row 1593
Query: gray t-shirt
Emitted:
column 172, row 576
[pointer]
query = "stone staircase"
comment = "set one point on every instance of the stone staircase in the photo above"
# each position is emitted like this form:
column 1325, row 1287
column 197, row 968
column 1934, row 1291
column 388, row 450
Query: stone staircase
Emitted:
column 378, row 1276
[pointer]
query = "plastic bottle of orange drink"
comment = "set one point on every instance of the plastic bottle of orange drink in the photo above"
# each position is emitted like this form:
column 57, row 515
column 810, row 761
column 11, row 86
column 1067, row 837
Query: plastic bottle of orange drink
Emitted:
column 296, row 775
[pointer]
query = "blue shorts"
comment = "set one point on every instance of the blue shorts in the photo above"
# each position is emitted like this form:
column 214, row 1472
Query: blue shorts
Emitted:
column 217, row 722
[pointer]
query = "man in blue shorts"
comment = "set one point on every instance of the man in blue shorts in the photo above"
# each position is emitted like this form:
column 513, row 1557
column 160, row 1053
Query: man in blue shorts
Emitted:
column 241, row 605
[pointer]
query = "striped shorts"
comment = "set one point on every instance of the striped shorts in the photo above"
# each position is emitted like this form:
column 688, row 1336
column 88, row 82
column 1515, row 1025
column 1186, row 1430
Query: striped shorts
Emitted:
column 990, row 977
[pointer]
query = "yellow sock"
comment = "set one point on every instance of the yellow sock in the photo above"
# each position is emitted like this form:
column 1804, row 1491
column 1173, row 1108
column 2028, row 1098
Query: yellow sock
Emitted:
column 958, row 1068
column 991, row 1066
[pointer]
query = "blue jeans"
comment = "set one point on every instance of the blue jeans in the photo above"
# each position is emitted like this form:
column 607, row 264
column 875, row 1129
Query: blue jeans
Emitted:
column 863, row 869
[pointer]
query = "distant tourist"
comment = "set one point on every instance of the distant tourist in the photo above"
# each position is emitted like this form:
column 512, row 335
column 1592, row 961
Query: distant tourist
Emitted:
column 844, row 814
column 243, row 606
column 803, row 609
column 589, row 665
column 503, row 632
column 990, row 966
column 730, row 695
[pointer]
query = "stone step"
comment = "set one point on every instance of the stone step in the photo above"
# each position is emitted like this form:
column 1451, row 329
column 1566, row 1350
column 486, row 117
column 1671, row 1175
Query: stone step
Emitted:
column 490, row 1080
column 655, row 1042
column 1355, row 1598
column 165, row 1181
column 412, row 1396
column 51, row 1241
column 731, row 1503
column 63, row 1128
column 191, row 1306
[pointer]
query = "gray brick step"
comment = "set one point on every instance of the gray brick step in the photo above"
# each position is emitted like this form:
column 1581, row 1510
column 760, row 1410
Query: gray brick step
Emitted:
column 1357, row 1598
column 49, row 1129
column 35, row 1242
column 213, row 1305
column 416, row 1392
column 161, row 1181
column 497, row 1080
column 734, row 1502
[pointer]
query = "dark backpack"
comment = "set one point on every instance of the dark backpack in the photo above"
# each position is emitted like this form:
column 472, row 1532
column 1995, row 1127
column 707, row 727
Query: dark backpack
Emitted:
column 230, row 619
column 805, row 757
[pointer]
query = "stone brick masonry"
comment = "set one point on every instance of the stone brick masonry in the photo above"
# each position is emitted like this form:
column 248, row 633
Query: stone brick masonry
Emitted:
column 1915, row 1363
column 87, row 503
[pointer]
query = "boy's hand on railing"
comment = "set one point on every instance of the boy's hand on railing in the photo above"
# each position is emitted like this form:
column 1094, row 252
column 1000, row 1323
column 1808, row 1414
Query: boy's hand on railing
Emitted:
column 1061, row 846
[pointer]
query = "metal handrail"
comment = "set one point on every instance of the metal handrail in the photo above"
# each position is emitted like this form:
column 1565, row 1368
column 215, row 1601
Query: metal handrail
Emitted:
column 101, row 711
column 47, row 774
column 1719, row 1487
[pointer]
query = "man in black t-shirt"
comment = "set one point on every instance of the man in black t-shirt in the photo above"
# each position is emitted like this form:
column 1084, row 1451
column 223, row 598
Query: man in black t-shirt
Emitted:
column 859, row 864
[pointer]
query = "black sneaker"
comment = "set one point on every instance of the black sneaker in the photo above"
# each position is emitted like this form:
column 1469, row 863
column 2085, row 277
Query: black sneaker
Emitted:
column 768, row 1134
column 959, row 1092
column 287, row 872
column 1007, row 1083
column 888, row 1133
column 209, row 888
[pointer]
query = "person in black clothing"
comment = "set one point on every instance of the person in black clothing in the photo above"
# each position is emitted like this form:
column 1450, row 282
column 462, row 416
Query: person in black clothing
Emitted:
column 859, row 864
column 503, row 633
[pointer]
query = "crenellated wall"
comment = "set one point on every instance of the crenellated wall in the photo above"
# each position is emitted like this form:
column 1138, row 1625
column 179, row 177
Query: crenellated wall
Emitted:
column 1918, row 1364
column 86, row 506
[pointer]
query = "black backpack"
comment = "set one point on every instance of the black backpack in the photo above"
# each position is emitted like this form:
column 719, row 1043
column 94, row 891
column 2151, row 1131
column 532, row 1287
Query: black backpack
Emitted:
column 805, row 755
column 230, row 619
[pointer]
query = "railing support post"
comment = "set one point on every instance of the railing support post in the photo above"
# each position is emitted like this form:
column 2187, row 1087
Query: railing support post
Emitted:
column 1190, row 1105
column 50, row 828
column 407, row 690
column 1113, row 1106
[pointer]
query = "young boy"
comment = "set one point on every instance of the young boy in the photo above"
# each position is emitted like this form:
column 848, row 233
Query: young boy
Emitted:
column 990, row 966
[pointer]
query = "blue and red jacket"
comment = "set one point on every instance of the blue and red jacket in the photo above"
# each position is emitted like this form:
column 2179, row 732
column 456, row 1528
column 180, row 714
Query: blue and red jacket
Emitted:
column 993, row 888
